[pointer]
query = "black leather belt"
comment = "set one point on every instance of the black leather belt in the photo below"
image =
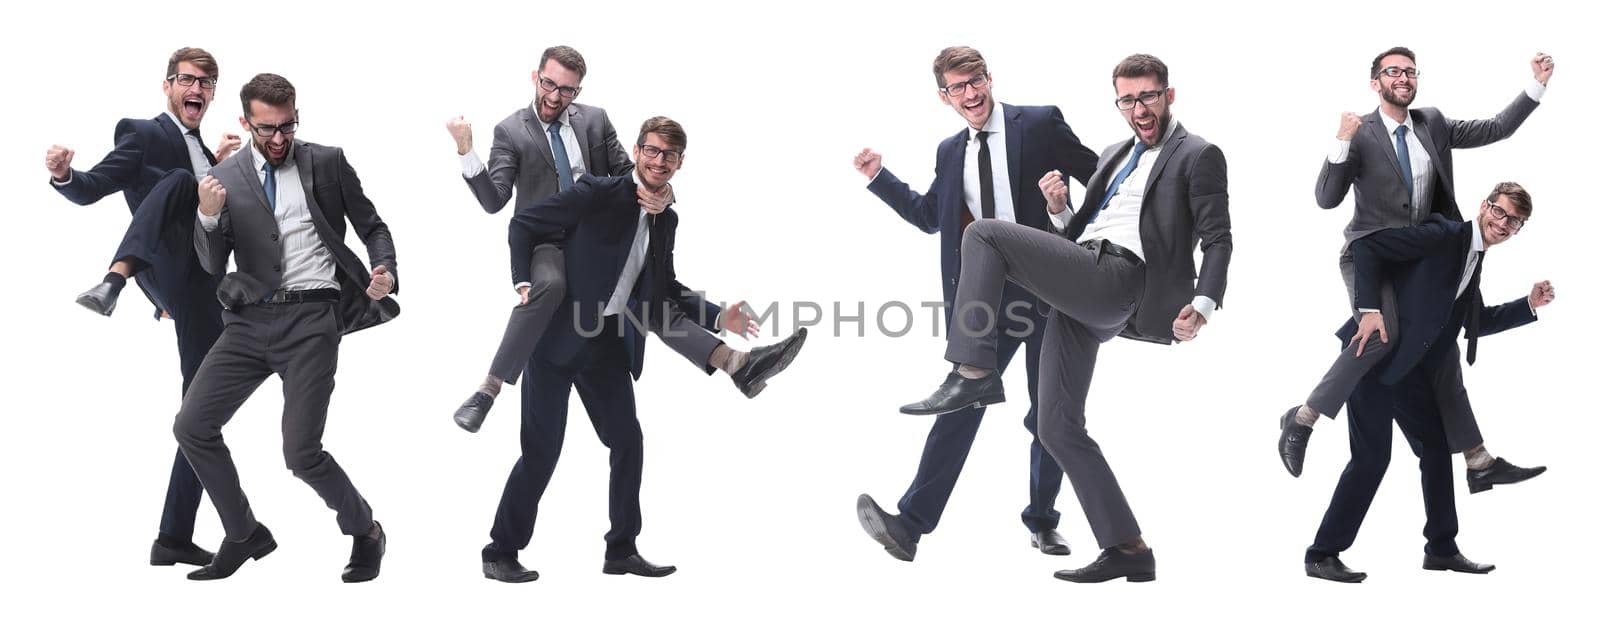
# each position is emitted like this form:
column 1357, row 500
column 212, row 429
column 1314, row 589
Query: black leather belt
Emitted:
column 319, row 295
column 1108, row 247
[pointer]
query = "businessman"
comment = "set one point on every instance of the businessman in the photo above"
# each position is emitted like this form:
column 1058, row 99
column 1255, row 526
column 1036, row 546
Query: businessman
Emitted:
column 1436, row 269
column 279, row 210
column 155, row 164
column 1125, row 266
column 1398, row 161
column 1021, row 143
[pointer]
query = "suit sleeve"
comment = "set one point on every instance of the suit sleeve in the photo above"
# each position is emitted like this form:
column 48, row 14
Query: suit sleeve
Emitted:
column 117, row 171
column 921, row 210
column 364, row 217
column 1493, row 319
column 546, row 221
column 691, row 303
column 1072, row 158
column 1474, row 133
column 212, row 247
column 1334, row 180
column 615, row 154
column 1390, row 246
column 1208, row 202
column 494, row 185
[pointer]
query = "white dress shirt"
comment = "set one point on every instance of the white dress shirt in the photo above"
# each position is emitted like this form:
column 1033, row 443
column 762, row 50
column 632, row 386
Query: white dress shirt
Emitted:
column 471, row 165
column 971, row 188
column 307, row 262
column 635, row 263
column 1474, row 254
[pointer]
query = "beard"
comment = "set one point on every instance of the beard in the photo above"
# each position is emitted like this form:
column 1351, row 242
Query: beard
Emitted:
column 1392, row 98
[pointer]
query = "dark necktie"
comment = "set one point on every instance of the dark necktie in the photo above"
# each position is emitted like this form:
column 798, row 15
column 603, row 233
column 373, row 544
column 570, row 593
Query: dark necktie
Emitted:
column 985, row 175
column 209, row 157
column 1116, row 182
column 1474, row 306
column 563, row 166
column 269, row 185
column 1404, row 153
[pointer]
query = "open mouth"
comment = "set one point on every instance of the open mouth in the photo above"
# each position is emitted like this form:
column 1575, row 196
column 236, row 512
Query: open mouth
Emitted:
column 975, row 106
column 192, row 106
column 1145, row 125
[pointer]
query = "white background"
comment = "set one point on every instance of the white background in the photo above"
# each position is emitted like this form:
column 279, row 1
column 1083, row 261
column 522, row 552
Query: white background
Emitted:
column 753, row 499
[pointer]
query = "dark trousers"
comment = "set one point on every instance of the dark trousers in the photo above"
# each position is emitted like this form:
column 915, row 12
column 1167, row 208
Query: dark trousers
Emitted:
column 945, row 452
column 606, row 389
column 1411, row 404
column 300, row 343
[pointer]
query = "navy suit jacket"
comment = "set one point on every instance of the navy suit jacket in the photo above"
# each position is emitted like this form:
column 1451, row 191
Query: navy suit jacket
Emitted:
column 1425, row 263
column 598, row 217
column 1038, row 140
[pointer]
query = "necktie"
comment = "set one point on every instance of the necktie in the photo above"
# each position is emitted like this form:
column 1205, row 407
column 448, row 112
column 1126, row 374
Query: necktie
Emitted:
column 269, row 184
column 1404, row 153
column 1474, row 306
column 563, row 167
column 1116, row 182
column 985, row 175
column 209, row 157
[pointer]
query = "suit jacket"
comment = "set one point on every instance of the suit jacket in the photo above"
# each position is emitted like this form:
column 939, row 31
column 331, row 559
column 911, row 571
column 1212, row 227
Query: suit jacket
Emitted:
column 520, row 157
column 1038, row 140
column 1185, row 204
column 1373, row 167
column 1425, row 262
column 601, row 216
column 248, row 229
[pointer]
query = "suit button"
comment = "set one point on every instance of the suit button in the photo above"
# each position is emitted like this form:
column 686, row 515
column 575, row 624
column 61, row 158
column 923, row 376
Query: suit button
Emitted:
column 274, row 237
column 277, row 268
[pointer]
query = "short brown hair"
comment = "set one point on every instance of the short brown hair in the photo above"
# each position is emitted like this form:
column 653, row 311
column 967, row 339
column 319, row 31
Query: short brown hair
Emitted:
column 1138, row 65
column 267, row 88
column 1397, row 50
column 959, row 59
column 667, row 129
column 200, row 58
column 1516, row 193
column 567, row 57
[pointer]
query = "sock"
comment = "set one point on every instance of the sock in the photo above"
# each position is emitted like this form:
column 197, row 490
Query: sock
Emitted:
column 1306, row 416
column 1133, row 547
column 972, row 372
column 491, row 386
column 117, row 281
column 1478, row 458
column 727, row 360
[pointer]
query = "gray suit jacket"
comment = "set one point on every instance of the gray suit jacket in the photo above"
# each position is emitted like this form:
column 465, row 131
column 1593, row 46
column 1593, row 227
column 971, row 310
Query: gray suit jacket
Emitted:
column 248, row 229
column 521, row 157
column 1373, row 167
column 1185, row 204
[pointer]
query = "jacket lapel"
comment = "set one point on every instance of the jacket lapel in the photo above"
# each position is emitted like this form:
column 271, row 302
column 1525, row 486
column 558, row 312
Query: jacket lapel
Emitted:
column 246, row 165
column 1373, row 125
column 175, row 141
column 1167, row 150
column 1425, row 138
column 541, row 145
column 580, row 128
column 1013, row 117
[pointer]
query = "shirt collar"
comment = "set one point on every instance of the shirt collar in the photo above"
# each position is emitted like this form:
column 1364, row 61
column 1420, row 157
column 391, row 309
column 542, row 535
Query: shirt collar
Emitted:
column 995, row 125
column 1171, row 128
column 182, row 130
column 261, row 160
column 564, row 118
column 1477, row 237
column 1390, row 125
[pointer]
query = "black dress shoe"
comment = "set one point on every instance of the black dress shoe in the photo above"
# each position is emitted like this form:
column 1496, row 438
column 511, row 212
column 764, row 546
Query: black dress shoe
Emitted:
column 471, row 414
column 1454, row 563
column 1499, row 472
column 366, row 556
column 1292, row 442
column 165, row 552
column 764, row 362
column 1331, row 568
column 886, row 529
column 508, row 570
column 101, row 299
column 1050, row 542
column 958, row 393
column 1112, row 564
column 232, row 555
column 637, row 566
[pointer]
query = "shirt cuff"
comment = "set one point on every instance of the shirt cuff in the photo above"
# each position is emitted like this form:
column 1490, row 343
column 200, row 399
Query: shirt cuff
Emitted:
column 209, row 223
column 1339, row 152
column 1368, row 310
column 471, row 166
column 1535, row 91
column 522, row 284
column 62, row 184
column 1060, row 220
column 1203, row 305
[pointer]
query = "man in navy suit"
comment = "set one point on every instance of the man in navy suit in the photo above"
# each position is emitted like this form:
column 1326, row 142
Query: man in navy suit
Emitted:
column 1436, row 269
column 155, row 165
column 978, row 175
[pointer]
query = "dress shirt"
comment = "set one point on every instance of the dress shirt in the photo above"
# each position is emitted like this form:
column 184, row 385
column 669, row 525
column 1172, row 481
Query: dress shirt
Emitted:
column 307, row 262
column 471, row 165
column 635, row 263
column 970, row 188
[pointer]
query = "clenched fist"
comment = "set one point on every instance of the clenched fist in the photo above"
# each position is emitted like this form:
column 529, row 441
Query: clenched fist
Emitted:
column 1349, row 123
column 868, row 162
column 58, row 160
column 461, row 132
column 1055, row 191
column 230, row 142
column 382, row 283
column 1543, row 293
column 1543, row 66
column 212, row 195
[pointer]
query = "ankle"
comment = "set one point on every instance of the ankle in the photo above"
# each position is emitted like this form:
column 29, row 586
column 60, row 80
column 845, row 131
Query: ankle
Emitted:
column 972, row 372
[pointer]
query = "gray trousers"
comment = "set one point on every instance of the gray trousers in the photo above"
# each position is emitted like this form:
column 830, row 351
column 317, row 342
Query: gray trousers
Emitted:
column 1449, row 390
column 528, row 321
column 300, row 343
column 1091, row 295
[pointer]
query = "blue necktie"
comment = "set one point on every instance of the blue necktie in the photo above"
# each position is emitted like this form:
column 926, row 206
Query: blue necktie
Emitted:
column 270, row 186
column 1116, row 182
column 563, row 167
column 1404, row 153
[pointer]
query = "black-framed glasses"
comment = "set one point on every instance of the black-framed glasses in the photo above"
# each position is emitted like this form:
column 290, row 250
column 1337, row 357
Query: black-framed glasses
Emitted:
column 550, row 86
column 1514, row 223
column 959, row 89
column 188, row 80
column 266, row 131
column 1394, row 71
column 666, row 154
column 1148, row 99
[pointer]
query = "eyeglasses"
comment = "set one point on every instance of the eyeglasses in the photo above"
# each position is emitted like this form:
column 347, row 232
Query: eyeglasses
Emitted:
column 1514, row 223
column 960, row 89
column 550, row 86
column 1148, row 99
column 187, row 80
column 667, row 155
column 266, row 131
column 1394, row 71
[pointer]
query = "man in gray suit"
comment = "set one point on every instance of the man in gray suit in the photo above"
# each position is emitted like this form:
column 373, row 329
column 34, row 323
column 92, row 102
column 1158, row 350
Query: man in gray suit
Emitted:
column 1398, row 161
column 1125, row 267
column 280, row 210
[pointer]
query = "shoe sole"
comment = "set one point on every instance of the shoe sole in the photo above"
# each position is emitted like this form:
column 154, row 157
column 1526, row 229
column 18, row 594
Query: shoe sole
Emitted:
column 1473, row 488
column 1063, row 551
column 623, row 572
column 472, row 429
column 1283, row 424
column 759, row 384
column 871, row 518
column 1133, row 577
column 975, row 405
column 1433, row 568
column 94, row 306
column 170, row 563
column 520, row 580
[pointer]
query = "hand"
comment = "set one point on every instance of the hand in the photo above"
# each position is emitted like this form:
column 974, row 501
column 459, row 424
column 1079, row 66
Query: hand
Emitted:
column 1370, row 322
column 655, row 202
column 737, row 319
column 230, row 142
column 524, row 292
column 1188, row 323
column 382, row 283
column 461, row 131
column 1055, row 191
column 212, row 195
column 58, row 160
column 868, row 163
column 1543, row 66
column 1543, row 293
column 1349, row 123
